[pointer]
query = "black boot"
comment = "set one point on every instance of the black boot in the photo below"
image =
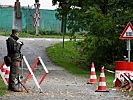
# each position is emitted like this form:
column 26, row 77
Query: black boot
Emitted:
column 14, row 90
column 11, row 88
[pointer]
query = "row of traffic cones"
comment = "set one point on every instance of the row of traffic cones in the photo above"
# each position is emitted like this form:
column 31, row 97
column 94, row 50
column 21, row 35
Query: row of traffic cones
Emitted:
column 102, row 81
column 4, row 72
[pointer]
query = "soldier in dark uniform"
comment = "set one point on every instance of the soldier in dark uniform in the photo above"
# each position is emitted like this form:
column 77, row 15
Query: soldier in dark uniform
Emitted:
column 13, row 49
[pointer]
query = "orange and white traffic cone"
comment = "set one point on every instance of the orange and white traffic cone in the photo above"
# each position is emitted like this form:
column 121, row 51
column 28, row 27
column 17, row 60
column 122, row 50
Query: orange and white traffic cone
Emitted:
column 7, row 74
column 93, row 77
column 102, row 82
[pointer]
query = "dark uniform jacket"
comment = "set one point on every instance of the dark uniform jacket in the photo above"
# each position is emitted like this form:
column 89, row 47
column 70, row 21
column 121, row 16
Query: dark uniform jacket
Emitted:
column 13, row 48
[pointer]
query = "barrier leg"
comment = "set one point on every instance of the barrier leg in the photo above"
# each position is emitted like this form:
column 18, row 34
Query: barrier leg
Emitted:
column 44, row 67
column 34, row 78
column 20, row 83
column 43, row 77
column 29, row 74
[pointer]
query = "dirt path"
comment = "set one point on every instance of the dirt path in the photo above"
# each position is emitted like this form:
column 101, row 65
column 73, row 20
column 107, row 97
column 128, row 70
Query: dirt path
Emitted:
column 59, row 84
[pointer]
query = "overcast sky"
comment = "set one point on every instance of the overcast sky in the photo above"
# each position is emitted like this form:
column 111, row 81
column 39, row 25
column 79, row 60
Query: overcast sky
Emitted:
column 45, row 4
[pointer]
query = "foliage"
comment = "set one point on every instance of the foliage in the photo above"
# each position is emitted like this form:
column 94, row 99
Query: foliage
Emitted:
column 63, row 7
column 53, row 33
column 5, row 33
column 101, row 50
column 103, row 21
column 42, row 31
column 31, row 33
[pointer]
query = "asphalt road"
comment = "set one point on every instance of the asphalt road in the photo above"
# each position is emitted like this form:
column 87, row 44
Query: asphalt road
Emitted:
column 58, row 84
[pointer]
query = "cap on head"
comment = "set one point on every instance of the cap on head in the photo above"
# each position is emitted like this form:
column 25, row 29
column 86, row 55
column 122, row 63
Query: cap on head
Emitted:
column 14, row 31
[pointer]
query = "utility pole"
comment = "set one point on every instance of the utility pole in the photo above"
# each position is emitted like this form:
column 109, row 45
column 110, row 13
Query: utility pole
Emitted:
column 36, row 16
column 63, row 27
column 17, row 16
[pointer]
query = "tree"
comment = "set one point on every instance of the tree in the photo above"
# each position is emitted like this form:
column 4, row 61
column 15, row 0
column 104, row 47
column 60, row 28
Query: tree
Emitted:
column 105, row 21
column 64, row 6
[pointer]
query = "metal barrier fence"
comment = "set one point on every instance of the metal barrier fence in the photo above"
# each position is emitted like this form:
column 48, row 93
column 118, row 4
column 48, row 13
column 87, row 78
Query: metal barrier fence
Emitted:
column 47, row 20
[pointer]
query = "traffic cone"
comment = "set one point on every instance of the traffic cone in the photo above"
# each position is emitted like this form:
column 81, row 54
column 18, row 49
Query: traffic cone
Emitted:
column 93, row 77
column 7, row 74
column 102, row 82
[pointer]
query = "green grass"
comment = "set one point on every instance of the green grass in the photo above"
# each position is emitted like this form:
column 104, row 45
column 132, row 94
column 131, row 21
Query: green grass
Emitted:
column 26, row 35
column 3, row 87
column 4, row 33
column 109, row 79
column 66, row 57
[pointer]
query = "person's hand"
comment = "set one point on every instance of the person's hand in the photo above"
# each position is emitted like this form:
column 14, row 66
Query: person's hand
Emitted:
column 21, row 43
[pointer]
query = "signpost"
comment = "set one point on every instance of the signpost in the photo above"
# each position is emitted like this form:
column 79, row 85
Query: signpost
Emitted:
column 128, row 35
column 36, row 16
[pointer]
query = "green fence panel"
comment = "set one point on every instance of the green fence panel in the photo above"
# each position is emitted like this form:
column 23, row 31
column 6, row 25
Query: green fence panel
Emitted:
column 6, row 18
column 47, row 20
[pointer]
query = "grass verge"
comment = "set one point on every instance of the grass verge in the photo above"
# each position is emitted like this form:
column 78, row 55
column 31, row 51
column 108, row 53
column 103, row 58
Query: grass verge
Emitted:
column 3, row 87
column 26, row 35
column 66, row 57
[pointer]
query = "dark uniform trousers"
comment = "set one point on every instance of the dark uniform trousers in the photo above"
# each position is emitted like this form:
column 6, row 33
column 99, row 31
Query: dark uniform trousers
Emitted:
column 14, row 72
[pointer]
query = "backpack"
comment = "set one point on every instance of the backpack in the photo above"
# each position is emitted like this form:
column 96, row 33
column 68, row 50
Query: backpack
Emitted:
column 7, row 60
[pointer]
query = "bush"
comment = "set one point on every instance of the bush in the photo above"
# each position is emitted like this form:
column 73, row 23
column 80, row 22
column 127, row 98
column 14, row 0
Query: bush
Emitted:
column 42, row 32
column 52, row 33
column 101, row 50
column 32, row 32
